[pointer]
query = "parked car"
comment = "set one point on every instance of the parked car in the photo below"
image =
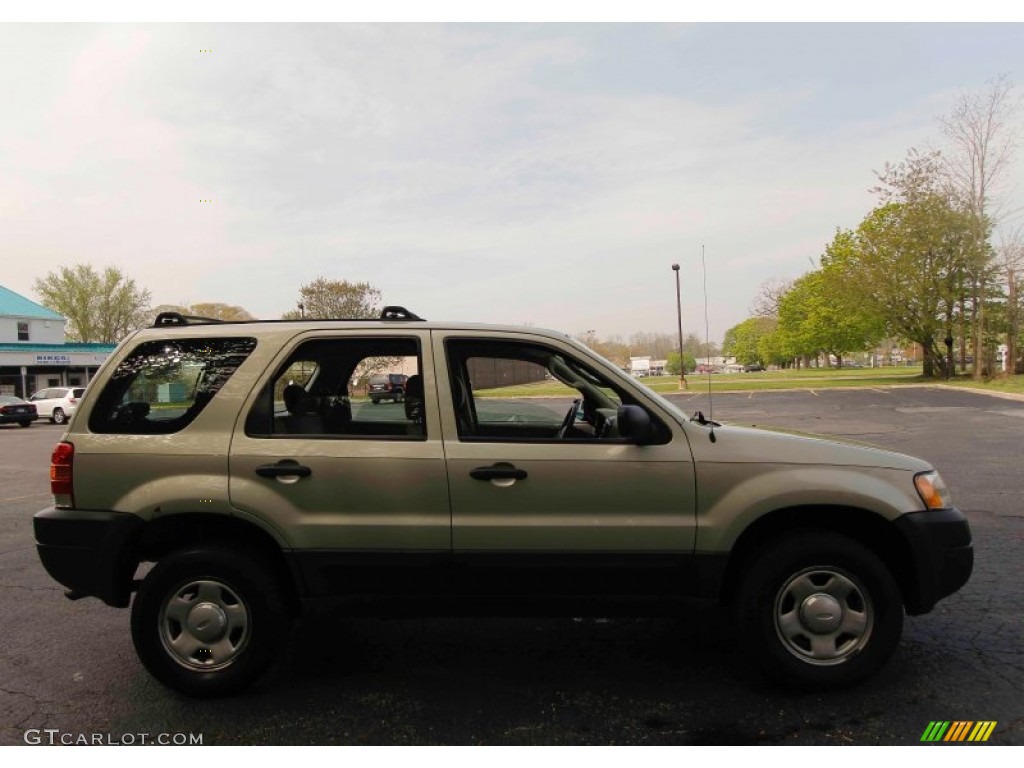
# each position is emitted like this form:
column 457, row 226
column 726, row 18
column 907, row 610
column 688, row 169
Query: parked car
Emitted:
column 252, row 514
column 14, row 410
column 57, row 404
column 753, row 368
column 387, row 386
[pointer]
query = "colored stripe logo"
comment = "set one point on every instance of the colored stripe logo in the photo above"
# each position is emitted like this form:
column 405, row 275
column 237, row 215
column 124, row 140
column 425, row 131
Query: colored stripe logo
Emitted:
column 958, row 730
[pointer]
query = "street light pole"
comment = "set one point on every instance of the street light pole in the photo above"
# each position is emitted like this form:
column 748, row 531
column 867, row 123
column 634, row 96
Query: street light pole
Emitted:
column 679, row 317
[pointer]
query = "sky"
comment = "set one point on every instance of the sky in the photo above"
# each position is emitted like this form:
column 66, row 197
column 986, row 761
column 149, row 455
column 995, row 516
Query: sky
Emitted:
column 541, row 173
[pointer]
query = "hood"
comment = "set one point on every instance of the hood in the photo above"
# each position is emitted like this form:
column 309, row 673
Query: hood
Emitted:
column 762, row 445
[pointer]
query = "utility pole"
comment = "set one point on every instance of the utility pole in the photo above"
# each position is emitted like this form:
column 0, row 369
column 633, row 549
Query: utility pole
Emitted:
column 679, row 317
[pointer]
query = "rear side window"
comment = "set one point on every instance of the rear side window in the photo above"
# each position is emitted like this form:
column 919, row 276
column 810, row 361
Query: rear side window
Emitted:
column 324, row 390
column 162, row 386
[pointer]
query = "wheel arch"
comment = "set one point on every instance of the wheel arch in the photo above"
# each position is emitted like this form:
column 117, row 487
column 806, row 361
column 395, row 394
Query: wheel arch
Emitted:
column 168, row 534
column 867, row 528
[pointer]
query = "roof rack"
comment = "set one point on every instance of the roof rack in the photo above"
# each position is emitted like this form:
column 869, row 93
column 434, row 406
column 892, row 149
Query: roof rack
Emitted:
column 390, row 313
column 176, row 318
column 394, row 312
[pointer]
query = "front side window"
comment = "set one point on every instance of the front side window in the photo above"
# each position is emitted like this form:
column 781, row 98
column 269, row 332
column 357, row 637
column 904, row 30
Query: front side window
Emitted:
column 162, row 386
column 514, row 391
column 343, row 389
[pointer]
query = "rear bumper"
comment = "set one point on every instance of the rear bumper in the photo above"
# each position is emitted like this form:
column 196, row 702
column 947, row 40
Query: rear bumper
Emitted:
column 17, row 418
column 942, row 555
column 88, row 552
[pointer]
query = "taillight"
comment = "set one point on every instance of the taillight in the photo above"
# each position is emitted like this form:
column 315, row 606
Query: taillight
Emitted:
column 62, row 475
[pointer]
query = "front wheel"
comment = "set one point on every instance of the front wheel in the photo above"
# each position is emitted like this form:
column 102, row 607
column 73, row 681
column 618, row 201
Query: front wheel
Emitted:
column 818, row 610
column 209, row 621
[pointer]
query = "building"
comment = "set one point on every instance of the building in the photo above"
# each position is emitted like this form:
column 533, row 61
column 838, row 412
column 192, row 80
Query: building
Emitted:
column 33, row 352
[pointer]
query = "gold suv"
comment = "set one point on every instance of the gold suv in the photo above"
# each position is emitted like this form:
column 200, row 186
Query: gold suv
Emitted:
column 232, row 474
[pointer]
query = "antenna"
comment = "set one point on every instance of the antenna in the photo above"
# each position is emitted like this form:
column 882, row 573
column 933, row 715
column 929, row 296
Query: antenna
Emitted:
column 707, row 344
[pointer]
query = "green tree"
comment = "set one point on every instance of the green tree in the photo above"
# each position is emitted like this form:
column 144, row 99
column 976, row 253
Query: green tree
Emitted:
column 101, row 307
column 821, row 314
column 906, row 263
column 743, row 341
column 326, row 299
column 672, row 363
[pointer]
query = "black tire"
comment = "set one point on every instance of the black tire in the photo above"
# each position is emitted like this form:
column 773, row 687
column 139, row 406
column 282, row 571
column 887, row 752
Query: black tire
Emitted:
column 375, row 400
column 25, row 423
column 58, row 416
column 209, row 621
column 818, row 610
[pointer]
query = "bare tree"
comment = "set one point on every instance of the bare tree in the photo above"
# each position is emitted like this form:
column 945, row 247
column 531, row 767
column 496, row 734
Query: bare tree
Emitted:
column 335, row 299
column 769, row 297
column 984, row 137
column 1010, row 261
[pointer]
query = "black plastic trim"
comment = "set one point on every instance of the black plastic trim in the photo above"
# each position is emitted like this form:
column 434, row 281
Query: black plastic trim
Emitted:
column 89, row 552
column 942, row 555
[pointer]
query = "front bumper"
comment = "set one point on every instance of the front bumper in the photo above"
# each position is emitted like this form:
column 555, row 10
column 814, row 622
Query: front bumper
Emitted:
column 942, row 555
column 89, row 552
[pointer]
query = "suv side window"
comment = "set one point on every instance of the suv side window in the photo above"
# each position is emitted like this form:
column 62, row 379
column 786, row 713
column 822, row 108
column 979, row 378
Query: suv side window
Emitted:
column 162, row 386
column 322, row 391
column 493, row 383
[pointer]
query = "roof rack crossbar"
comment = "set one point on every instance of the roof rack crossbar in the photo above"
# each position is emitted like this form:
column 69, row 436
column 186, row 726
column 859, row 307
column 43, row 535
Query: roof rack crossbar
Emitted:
column 176, row 318
column 394, row 312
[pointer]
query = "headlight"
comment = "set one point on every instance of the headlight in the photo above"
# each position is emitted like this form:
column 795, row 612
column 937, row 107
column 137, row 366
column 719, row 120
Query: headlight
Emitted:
column 932, row 490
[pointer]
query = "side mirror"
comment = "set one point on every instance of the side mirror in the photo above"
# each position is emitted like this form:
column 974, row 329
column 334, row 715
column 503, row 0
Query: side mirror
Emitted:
column 634, row 423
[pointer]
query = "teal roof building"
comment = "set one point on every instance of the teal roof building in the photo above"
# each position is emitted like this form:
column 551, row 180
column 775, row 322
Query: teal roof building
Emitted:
column 15, row 305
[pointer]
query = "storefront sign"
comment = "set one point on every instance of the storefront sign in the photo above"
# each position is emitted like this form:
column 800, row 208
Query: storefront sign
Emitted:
column 53, row 360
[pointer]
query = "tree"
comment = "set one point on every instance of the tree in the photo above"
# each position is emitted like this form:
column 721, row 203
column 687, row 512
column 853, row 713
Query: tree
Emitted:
column 1010, row 260
column 672, row 364
column 613, row 349
column 907, row 259
column 984, row 135
column 657, row 345
column 820, row 314
column 769, row 296
column 99, row 307
column 743, row 341
column 327, row 299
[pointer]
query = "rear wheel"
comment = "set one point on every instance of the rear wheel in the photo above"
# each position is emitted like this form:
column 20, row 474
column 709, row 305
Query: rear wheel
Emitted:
column 58, row 416
column 818, row 610
column 209, row 621
column 25, row 423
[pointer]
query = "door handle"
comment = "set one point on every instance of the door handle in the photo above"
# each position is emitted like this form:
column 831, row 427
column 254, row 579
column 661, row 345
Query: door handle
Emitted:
column 498, row 472
column 286, row 471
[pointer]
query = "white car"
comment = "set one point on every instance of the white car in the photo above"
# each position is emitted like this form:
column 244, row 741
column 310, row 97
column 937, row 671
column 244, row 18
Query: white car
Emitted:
column 57, row 404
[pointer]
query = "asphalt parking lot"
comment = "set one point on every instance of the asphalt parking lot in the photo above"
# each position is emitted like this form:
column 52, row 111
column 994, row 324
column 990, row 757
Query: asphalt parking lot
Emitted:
column 674, row 681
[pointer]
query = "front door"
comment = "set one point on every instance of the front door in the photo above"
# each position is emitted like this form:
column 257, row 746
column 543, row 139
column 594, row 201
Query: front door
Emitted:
column 545, row 493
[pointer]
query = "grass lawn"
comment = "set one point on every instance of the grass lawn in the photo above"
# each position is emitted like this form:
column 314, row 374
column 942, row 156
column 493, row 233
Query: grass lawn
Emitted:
column 1010, row 384
column 814, row 378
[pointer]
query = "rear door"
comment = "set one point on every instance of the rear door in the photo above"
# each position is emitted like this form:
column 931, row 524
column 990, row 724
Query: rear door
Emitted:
column 359, row 491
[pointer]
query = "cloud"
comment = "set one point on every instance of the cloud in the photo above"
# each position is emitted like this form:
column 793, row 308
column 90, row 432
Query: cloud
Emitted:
column 536, row 173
